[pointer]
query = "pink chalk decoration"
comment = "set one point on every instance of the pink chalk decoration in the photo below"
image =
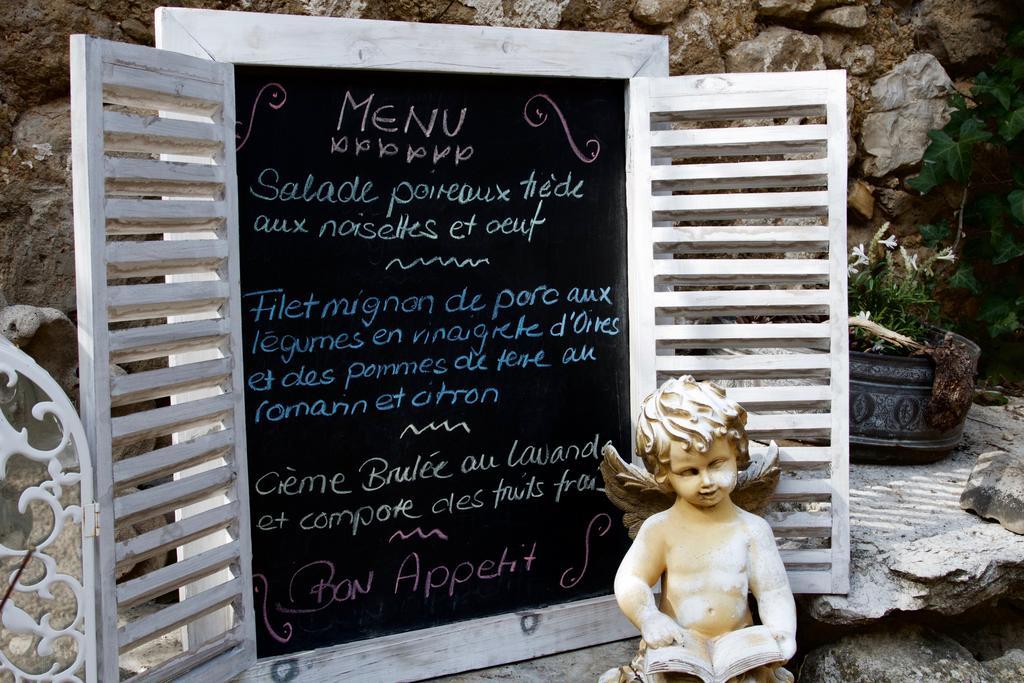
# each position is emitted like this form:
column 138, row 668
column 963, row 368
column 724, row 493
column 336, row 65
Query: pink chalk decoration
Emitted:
column 604, row 522
column 260, row 585
column 540, row 118
column 278, row 96
column 405, row 536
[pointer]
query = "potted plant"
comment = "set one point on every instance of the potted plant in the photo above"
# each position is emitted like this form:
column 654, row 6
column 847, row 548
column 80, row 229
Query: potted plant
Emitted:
column 911, row 383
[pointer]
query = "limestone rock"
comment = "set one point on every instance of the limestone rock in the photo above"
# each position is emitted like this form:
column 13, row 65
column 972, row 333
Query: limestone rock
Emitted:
column 962, row 33
column 913, row 549
column 49, row 337
column 693, row 48
column 919, row 77
column 844, row 17
column 908, row 102
column 792, row 8
column 529, row 14
column 777, row 49
column 894, row 202
column 910, row 654
column 1009, row 667
column 995, row 489
column 861, row 199
column 658, row 12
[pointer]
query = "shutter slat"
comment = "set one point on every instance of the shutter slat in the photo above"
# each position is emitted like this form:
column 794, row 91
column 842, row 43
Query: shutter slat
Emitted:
column 166, row 461
column 739, row 367
column 803, row 491
column 168, row 618
column 164, row 257
column 149, row 89
column 157, row 500
column 164, row 210
column 156, row 135
column 743, row 335
column 720, row 239
column 802, row 525
column 147, row 177
column 725, row 303
column 172, row 576
column 191, row 660
column 743, row 141
column 738, row 176
column 177, row 379
column 138, row 302
column 168, row 419
column 692, row 207
column 789, row 426
column 756, row 399
column 166, row 538
column 694, row 271
column 816, row 557
column 142, row 343
column 711, row 107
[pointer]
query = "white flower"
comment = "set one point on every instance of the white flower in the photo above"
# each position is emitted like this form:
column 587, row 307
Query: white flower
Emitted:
column 946, row 255
column 866, row 315
column 860, row 258
column 911, row 261
column 889, row 242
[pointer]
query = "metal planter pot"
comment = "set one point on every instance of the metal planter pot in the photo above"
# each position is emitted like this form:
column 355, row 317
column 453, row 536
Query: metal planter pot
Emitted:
column 888, row 396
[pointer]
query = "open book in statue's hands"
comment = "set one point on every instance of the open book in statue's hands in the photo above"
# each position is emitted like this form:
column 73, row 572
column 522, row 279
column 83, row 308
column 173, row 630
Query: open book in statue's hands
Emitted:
column 716, row 660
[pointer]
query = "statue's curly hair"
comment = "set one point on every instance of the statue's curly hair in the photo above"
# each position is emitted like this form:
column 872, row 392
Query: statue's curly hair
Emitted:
column 694, row 413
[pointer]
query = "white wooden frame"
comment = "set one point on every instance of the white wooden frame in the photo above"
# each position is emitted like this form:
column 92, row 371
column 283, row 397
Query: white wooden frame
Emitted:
column 287, row 40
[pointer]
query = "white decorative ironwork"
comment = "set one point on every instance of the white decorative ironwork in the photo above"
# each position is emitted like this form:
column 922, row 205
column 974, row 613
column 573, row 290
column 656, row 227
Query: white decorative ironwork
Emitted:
column 43, row 638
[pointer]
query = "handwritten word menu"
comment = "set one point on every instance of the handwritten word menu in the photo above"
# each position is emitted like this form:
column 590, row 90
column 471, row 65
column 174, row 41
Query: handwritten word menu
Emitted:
column 434, row 300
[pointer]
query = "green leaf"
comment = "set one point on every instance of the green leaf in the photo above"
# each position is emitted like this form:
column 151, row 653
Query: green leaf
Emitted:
column 1018, row 176
column 1001, row 316
column 1012, row 125
column 1016, row 37
column 1005, row 248
column 955, row 154
column 997, row 88
column 934, row 234
column 928, row 179
column 1016, row 199
column 964, row 278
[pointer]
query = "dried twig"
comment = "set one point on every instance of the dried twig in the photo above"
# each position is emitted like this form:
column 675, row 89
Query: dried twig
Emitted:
column 17, row 575
column 885, row 333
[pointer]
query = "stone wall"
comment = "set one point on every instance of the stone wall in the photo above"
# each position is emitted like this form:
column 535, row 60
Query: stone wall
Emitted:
column 893, row 100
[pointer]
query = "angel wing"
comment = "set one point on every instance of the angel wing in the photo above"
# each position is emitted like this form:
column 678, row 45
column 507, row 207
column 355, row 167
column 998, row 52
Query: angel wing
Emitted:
column 633, row 490
column 757, row 483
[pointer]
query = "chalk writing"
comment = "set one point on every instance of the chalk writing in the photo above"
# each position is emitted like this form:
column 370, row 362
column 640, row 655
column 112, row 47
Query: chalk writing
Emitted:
column 434, row 346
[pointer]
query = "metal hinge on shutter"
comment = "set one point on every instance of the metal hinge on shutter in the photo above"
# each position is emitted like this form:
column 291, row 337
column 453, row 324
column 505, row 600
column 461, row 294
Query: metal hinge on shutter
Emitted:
column 91, row 520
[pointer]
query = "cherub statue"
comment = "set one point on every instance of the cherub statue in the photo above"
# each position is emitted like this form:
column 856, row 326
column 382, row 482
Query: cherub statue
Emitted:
column 707, row 551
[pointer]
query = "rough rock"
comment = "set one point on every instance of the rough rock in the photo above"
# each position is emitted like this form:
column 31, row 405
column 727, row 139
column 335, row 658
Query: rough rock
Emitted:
column 919, row 77
column 36, row 244
column 1009, row 667
column 658, row 12
column 909, row 654
column 530, row 14
column 995, row 489
column 793, row 8
column 908, row 102
column 692, row 46
column 894, row 202
column 861, row 199
column 962, row 33
column 49, row 337
column 843, row 17
column 913, row 549
column 841, row 52
column 777, row 49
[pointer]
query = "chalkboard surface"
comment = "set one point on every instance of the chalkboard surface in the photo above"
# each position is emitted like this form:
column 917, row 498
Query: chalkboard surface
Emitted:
column 434, row 298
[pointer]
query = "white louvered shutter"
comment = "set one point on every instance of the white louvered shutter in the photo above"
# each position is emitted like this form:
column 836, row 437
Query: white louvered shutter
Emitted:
column 738, row 273
column 143, row 223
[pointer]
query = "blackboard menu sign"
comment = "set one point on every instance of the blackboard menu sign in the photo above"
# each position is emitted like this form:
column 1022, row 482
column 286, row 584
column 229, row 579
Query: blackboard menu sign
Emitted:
column 434, row 300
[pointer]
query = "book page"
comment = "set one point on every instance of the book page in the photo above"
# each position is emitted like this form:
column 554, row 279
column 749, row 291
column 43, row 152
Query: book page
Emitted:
column 693, row 656
column 740, row 651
